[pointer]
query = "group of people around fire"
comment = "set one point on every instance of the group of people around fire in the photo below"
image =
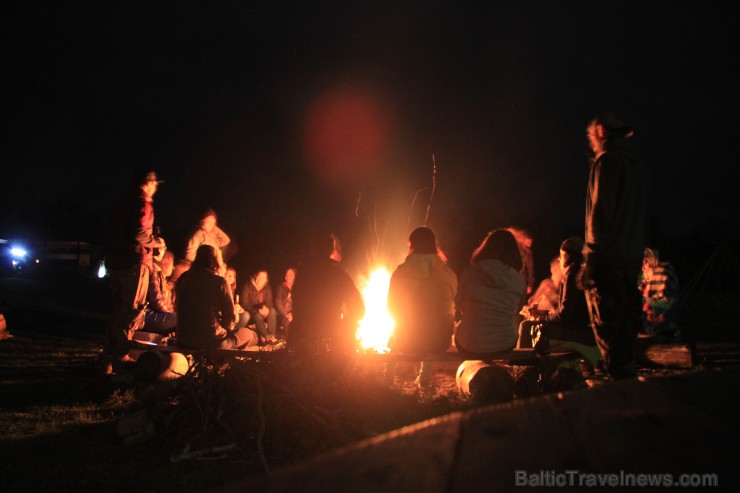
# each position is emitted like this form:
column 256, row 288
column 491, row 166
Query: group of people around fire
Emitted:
column 596, row 302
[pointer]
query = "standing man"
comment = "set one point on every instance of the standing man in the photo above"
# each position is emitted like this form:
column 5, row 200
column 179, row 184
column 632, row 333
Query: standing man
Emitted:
column 131, row 245
column 616, row 208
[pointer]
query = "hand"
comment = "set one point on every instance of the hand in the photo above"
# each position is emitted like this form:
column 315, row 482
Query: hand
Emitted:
column 532, row 313
column 264, row 311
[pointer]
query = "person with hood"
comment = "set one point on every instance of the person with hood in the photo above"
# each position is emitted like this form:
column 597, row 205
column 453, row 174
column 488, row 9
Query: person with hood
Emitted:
column 615, row 237
column 421, row 300
column 492, row 291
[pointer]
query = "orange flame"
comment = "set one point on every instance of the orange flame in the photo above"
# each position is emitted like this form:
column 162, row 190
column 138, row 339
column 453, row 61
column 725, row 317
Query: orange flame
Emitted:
column 377, row 327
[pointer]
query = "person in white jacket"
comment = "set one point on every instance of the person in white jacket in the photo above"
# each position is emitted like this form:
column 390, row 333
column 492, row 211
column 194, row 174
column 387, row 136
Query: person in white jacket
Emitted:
column 491, row 293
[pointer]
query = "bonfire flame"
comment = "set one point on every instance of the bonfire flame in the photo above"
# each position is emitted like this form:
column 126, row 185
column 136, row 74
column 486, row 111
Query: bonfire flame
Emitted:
column 376, row 328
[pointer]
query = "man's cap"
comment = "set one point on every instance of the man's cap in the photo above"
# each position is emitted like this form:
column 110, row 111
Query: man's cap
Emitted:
column 574, row 244
column 613, row 123
column 144, row 175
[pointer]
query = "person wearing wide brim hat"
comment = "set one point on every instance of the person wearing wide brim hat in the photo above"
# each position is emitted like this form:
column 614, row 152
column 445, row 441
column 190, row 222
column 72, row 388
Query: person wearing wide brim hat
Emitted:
column 131, row 244
column 145, row 175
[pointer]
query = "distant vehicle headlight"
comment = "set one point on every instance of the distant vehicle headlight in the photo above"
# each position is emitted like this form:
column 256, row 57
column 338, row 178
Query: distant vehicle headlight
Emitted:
column 18, row 252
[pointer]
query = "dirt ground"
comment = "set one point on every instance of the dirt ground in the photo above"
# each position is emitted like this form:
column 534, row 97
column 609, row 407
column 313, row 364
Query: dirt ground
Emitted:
column 67, row 428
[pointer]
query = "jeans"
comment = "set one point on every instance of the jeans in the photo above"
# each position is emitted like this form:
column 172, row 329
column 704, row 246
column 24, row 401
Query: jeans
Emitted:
column 615, row 308
column 239, row 339
column 160, row 322
column 266, row 327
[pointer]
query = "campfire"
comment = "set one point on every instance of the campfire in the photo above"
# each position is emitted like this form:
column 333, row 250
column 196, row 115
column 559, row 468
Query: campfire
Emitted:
column 376, row 328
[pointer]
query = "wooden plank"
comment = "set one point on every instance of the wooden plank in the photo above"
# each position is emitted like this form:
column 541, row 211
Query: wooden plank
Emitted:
column 520, row 435
column 664, row 354
column 415, row 458
column 647, row 425
column 634, row 426
column 525, row 357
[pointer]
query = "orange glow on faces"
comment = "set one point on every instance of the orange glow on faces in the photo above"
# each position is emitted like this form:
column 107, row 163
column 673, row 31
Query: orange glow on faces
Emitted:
column 345, row 135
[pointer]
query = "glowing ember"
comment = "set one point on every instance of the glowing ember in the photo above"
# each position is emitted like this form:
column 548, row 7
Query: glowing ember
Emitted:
column 377, row 326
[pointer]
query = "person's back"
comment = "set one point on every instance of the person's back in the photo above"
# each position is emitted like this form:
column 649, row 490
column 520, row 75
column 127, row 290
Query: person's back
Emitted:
column 492, row 291
column 489, row 298
column 202, row 301
column 205, row 309
column 326, row 304
column 421, row 301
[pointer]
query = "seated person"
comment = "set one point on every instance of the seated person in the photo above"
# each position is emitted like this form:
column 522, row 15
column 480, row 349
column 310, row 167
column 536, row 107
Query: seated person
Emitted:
column 421, row 297
column 326, row 303
column 208, row 233
column 546, row 297
column 492, row 291
column 284, row 302
column 160, row 316
column 242, row 316
column 256, row 298
column 181, row 267
column 204, row 307
column 568, row 329
column 524, row 240
column 421, row 300
column 659, row 287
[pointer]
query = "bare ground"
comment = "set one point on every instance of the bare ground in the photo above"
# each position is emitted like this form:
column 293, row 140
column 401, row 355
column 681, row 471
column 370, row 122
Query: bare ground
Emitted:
column 65, row 427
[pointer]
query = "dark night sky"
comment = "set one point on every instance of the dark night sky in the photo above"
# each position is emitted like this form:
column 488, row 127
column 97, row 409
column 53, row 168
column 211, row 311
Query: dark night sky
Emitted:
column 280, row 115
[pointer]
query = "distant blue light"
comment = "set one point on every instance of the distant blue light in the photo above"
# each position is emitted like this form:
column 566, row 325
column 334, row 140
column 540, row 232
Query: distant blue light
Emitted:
column 18, row 252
